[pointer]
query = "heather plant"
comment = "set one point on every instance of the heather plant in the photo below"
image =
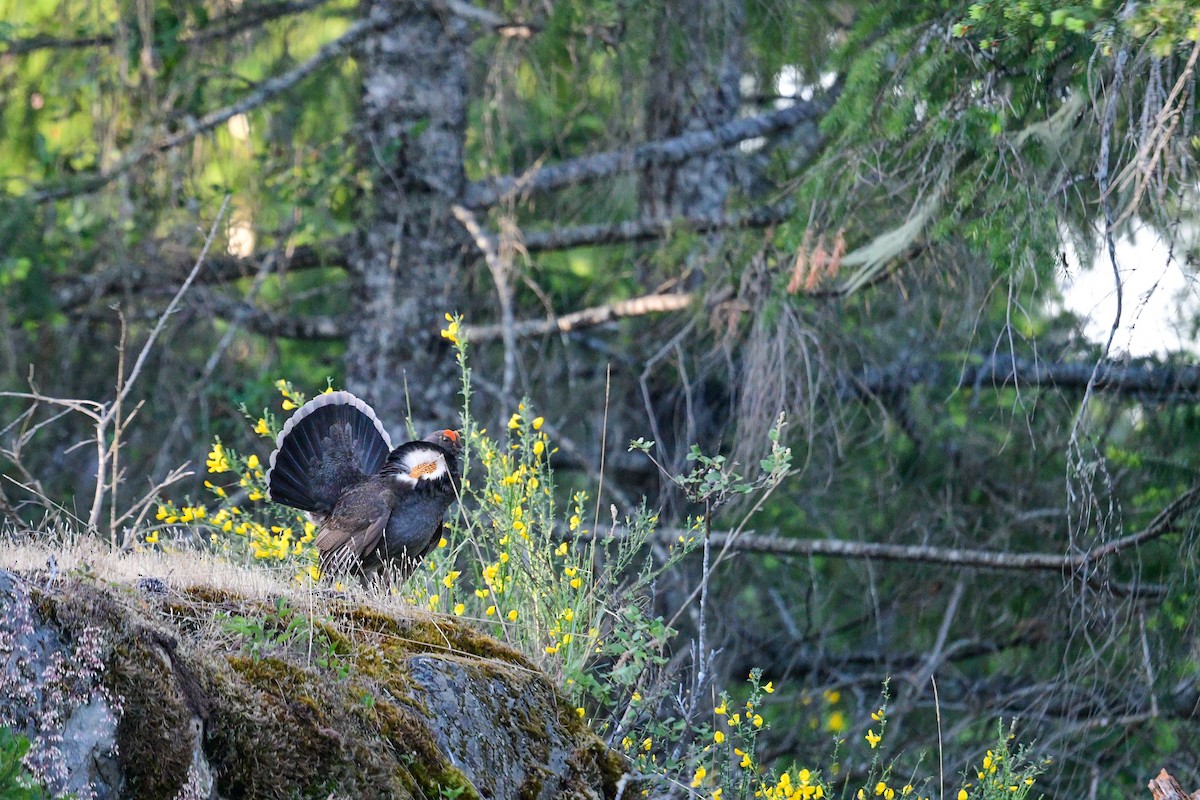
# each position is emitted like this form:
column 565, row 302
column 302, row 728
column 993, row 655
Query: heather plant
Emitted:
column 42, row 686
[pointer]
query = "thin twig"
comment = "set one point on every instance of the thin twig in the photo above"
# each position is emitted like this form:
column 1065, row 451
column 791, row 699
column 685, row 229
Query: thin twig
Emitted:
column 501, row 270
column 106, row 417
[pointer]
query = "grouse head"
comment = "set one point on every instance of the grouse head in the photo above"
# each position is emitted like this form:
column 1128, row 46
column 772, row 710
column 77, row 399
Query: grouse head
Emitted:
column 432, row 461
column 447, row 440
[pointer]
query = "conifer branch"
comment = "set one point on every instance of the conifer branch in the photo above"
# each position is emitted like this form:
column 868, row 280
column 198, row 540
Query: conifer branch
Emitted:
column 275, row 324
column 222, row 27
column 267, row 90
column 162, row 269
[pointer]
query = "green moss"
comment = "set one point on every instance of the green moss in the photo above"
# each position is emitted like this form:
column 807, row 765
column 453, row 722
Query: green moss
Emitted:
column 283, row 725
column 428, row 635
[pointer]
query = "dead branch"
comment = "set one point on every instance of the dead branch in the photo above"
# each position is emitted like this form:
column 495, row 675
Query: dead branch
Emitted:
column 640, row 230
column 588, row 317
column 664, row 152
column 160, row 269
column 223, row 27
column 312, row 327
column 1143, row 165
column 41, row 41
column 498, row 255
column 249, row 17
column 1166, row 521
column 105, row 450
column 1146, row 380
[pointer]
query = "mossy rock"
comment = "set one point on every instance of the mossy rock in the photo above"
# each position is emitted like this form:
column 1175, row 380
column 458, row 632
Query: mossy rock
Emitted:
column 228, row 696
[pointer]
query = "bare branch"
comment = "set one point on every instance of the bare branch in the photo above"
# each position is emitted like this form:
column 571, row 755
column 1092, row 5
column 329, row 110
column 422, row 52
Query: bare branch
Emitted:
column 472, row 13
column 1166, row 521
column 159, row 269
column 162, row 320
column 125, row 386
column 498, row 255
column 41, row 41
column 249, row 17
column 588, row 317
column 311, row 327
column 660, row 153
column 232, row 24
column 647, row 229
column 1145, row 380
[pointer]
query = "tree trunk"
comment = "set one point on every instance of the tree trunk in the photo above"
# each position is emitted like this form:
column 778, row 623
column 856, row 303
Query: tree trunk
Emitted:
column 694, row 85
column 408, row 256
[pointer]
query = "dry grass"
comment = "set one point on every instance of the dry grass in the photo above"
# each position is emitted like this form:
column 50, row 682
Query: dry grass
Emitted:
column 180, row 568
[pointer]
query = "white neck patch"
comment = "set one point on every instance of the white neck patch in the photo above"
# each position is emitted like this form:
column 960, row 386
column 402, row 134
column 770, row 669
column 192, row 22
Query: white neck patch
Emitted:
column 421, row 464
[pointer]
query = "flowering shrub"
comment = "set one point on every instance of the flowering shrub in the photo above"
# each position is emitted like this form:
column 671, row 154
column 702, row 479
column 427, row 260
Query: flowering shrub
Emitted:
column 544, row 580
column 571, row 592
column 244, row 526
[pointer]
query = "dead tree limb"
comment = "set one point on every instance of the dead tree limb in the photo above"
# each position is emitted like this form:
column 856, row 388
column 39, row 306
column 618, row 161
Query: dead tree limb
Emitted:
column 640, row 230
column 659, row 153
column 1164, row 522
column 161, row 269
column 222, row 27
column 1069, row 564
column 41, row 41
column 311, row 327
column 588, row 317
column 1143, row 380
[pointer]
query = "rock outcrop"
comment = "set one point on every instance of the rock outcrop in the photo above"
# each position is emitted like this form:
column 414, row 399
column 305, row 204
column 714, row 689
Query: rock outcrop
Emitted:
column 147, row 691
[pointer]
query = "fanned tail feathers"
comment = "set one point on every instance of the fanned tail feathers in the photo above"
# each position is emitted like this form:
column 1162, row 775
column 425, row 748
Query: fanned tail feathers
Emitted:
column 330, row 442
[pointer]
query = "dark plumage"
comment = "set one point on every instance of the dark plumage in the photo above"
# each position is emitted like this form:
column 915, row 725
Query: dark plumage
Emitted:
column 377, row 507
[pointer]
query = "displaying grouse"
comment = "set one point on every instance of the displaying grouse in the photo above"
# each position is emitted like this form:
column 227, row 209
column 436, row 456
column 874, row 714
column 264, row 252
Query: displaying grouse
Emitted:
column 379, row 509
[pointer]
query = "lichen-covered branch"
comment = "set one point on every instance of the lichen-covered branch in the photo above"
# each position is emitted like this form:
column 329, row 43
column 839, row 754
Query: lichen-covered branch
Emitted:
column 666, row 151
column 639, row 230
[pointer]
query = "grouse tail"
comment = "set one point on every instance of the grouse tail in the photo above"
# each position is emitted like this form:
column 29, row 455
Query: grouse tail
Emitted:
column 330, row 442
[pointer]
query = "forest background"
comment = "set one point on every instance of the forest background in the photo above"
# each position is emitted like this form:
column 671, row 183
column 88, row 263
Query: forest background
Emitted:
column 671, row 222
